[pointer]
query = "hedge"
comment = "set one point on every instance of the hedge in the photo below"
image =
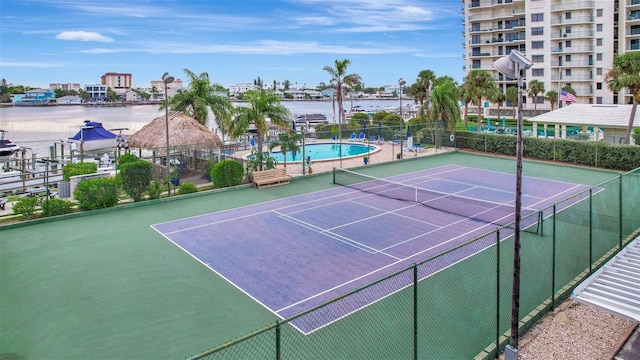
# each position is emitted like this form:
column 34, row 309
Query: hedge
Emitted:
column 590, row 153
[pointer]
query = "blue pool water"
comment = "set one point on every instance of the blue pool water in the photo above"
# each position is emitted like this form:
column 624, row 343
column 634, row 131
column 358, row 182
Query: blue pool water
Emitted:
column 325, row 152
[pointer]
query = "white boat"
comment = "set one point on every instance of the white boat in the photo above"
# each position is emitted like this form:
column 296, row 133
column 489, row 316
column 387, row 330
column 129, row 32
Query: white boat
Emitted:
column 93, row 138
column 7, row 148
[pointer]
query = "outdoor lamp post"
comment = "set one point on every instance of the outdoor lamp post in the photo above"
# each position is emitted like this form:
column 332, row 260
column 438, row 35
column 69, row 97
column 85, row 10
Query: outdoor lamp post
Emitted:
column 167, row 79
column 514, row 66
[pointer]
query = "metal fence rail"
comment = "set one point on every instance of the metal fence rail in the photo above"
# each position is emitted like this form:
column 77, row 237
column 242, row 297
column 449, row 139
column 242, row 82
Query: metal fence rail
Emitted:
column 457, row 305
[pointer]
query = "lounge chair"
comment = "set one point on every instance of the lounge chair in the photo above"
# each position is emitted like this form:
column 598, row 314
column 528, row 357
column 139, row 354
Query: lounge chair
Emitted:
column 380, row 140
column 361, row 137
column 372, row 138
column 352, row 137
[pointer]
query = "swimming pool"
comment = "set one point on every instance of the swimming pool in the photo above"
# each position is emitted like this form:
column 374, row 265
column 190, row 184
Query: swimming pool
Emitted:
column 326, row 151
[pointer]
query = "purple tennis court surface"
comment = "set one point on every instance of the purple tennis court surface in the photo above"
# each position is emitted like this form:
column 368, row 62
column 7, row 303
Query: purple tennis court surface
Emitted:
column 298, row 252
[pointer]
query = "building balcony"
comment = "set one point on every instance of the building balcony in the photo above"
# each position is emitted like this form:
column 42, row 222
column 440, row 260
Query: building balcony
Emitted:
column 586, row 34
column 632, row 32
column 572, row 64
column 573, row 21
column 572, row 78
column 573, row 49
column 633, row 4
column 573, row 5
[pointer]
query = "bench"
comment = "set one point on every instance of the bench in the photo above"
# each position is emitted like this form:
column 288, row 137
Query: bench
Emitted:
column 271, row 177
column 3, row 202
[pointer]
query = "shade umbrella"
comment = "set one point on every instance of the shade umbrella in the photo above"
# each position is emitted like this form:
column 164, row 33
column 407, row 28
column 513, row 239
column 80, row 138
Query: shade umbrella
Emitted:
column 364, row 127
column 293, row 125
column 252, row 142
column 408, row 131
column 184, row 131
column 379, row 129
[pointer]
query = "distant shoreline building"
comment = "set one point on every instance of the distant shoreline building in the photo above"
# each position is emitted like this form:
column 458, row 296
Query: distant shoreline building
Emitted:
column 118, row 82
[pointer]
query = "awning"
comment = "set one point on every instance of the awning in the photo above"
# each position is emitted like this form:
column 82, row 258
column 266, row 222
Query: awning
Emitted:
column 615, row 287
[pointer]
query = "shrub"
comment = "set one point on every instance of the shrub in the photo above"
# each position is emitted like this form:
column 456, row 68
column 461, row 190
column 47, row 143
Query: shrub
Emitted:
column 155, row 189
column 187, row 188
column 227, row 173
column 74, row 169
column 127, row 158
column 26, row 206
column 136, row 177
column 55, row 206
column 96, row 193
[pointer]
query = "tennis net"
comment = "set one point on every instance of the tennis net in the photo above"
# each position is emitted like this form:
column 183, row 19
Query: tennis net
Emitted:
column 486, row 212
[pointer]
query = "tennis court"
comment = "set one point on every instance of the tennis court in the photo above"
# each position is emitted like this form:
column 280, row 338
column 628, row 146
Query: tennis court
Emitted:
column 295, row 253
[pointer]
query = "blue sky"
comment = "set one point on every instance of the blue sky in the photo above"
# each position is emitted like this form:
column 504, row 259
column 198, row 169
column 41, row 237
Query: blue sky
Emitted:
column 77, row 41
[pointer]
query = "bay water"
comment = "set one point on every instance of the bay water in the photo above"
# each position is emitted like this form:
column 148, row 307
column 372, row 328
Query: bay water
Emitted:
column 38, row 127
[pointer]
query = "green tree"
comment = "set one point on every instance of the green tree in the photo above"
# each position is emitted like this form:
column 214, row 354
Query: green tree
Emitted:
column 261, row 105
column 512, row 97
column 626, row 74
column 341, row 81
column 136, row 177
column 479, row 83
column 496, row 96
column 552, row 98
column 426, row 79
column 444, row 105
column 417, row 92
column 112, row 95
column 467, row 97
column 535, row 87
column 199, row 97
column 288, row 141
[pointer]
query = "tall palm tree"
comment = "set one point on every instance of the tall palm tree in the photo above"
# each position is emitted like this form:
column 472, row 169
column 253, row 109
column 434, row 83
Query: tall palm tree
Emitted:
column 466, row 97
column 496, row 96
column 417, row 92
column 535, row 87
column 512, row 97
column 200, row 96
column 426, row 79
column 479, row 83
column 626, row 74
column 552, row 97
column 288, row 141
column 444, row 105
column 341, row 81
column 262, row 105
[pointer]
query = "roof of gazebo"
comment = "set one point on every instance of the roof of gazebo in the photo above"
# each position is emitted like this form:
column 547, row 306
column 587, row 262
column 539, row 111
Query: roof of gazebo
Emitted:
column 183, row 131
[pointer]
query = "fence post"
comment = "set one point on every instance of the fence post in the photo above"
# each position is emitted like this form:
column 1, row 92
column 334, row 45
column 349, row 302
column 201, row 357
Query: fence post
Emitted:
column 415, row 312
column 278, row 355
column 497, row 290
column 590, row 230
column 553, row 260
column 620, row 213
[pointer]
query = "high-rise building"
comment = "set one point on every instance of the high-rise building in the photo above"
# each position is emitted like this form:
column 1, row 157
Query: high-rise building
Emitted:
column 571, row 42
column 119, row 83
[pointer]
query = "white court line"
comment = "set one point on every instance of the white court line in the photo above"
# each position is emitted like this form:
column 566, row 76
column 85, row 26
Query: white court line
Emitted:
column 330, row 234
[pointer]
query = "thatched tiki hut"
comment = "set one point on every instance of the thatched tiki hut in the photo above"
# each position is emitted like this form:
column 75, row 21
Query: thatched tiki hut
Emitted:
column 191, row 143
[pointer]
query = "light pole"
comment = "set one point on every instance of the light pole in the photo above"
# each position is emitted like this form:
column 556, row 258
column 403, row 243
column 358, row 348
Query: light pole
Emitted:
column 514, row 66
column 401, row 83
column 167, row 79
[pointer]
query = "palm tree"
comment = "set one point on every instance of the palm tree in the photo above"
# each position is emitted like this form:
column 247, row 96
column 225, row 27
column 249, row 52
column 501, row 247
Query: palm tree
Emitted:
column 426, row 79
column 479, row 83
column 552, row 98
column 288, row 141
column 341, row 81
column 263, row 105
column 512, row 97
column 198, row 98
column 466, row 97
column 496, row 96
column 535, row 87
column 626, row 74
column 444, row 105
column 416, row 90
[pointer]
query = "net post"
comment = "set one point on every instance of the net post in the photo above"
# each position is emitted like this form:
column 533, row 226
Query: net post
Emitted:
column 620, row 212
column 334, row 175
column 415, row 311
column 553, row 260
column 278, row 335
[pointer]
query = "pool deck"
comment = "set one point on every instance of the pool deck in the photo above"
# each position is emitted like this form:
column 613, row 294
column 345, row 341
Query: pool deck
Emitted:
column 386, row 152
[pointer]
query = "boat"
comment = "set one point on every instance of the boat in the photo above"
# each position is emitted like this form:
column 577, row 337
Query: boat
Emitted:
column 94, row 138
column 7, row 148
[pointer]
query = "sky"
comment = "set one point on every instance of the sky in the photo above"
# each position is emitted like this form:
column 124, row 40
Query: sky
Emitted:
column 234, row 41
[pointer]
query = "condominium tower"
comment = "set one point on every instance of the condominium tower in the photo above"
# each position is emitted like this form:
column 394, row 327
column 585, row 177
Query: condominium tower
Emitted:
column 571, row 43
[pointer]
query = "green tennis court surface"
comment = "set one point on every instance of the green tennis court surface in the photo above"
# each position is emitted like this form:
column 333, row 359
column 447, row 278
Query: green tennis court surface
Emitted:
column 107, row 286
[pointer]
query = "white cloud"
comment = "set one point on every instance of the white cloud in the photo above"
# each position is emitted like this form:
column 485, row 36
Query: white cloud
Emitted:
column 83, row 36
column 41, row 65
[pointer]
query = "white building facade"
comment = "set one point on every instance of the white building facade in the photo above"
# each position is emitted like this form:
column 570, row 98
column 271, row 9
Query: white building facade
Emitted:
column 572, row 43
